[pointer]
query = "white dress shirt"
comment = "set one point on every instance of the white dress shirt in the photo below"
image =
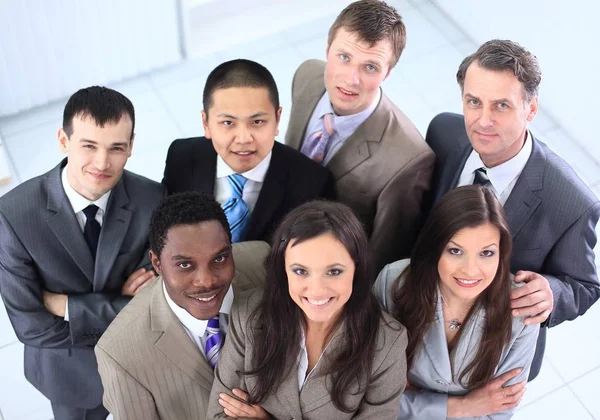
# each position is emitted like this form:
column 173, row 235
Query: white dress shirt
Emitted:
column 255, row 176
column 303, row 361
column 78, row 204
column 502, row 177
column 196, row 328
column 345, row 125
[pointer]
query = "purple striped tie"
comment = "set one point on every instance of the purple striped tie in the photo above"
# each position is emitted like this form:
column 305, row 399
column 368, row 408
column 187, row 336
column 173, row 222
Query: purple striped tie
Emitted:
column 214, row 341
column 315, row 147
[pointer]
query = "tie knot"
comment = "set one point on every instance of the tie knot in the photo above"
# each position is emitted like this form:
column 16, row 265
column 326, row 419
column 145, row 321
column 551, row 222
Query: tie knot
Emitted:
column 213, row 322
column 237, row 182
column 329, row 124
column 90, row 211
column 481, row 177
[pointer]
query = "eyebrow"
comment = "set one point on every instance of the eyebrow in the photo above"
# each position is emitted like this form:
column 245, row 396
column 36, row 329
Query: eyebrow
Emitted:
column 329, row 266
column 180, row 257
column 233, row 117
column 88, row 141
column 487, row 246
column 469, row 96
column 370, row 61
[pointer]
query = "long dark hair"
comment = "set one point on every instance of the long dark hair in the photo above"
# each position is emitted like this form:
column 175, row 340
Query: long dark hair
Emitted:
column 280, row 320
column 415, row 298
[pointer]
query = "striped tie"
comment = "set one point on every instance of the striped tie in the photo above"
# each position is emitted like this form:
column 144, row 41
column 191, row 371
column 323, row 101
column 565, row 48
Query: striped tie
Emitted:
column 315, row 147
column 213, row 341
column 481, row 178
column 236, row 210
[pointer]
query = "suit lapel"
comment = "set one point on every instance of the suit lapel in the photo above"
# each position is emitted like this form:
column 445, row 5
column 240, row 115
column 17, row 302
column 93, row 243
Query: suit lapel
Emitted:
column 204, row 169
column 523, row 201
column 289, row 396
column 271, row 195
column 175, row 343
column 64, row 223
column 453, row 167
column 470, row 339
column 436, row 346
column 304, row 107
column 114, row 228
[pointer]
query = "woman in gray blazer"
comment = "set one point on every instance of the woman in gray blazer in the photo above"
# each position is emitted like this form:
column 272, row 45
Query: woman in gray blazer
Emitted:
column 314, row 344
column 468, row 357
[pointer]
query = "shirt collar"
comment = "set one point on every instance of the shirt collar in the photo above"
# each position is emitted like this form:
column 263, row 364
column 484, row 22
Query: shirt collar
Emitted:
column 502, row 175
column 345, row 125
column 256, row 174
column 194, row 325
column 79, row 202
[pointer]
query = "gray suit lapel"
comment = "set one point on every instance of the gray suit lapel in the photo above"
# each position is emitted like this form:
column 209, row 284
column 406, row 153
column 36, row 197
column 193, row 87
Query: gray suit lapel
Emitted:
column 175, row 343
column 523, row 201
column 64, row 223
column 289, row 396
column 114, row 228
column 470, row 339
column 436, row 346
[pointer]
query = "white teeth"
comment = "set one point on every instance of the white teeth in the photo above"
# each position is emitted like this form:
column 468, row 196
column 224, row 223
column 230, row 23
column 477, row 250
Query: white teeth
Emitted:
column 467, row 281
column 346, row 92
column 318, row 302
column 208, row 299
column 244, row 153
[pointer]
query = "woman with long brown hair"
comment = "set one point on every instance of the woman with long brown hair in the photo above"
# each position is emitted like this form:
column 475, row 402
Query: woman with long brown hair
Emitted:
column 468, row 357
column 314, row 344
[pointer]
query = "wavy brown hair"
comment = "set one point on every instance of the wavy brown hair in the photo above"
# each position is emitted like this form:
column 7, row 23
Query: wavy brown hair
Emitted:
column 279, row 319
column 415, row 297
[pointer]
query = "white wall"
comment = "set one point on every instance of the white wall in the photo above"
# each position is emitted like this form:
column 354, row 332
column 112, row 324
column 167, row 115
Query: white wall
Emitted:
column 564, row 35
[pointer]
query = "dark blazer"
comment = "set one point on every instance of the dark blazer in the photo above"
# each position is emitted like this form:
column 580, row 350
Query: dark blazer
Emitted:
column 552, row 216
column 292, row 179
column 42, row 248
column 381, row 172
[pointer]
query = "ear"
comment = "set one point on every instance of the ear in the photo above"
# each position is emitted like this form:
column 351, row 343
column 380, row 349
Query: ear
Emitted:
column 63, row 141
column 131, row 145
column 278, row 119
column 532, row 108
column 205, row 125
column 155, row 262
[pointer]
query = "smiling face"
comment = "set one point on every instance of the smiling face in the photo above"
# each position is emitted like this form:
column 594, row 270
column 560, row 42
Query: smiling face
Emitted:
column 469, row 262
column 197, row 267
column 96, row 155
column 320, row 274
column 242, row 123
column 496, row 114
column 354, row 71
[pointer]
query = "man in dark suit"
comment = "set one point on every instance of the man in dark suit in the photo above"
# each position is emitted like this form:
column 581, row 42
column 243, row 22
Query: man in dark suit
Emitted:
column 552, row 214
column 256, row 179
column 342, row 118
column 73, row 249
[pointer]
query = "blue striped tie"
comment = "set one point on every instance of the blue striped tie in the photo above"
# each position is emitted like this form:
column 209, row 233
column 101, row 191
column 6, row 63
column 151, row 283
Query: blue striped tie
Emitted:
column 236, row 210
column 214, row 341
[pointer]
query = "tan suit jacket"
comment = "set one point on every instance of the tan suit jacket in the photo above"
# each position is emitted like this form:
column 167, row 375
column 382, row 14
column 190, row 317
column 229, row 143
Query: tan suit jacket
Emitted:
column 381, row 171
column 380, row 401
column 149, row 366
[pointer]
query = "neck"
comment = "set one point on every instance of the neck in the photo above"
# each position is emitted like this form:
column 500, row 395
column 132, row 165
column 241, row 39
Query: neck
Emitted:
column 491, row 161
column 458, row 306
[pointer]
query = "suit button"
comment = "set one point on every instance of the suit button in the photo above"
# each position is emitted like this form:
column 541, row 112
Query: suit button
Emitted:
column 440, row 382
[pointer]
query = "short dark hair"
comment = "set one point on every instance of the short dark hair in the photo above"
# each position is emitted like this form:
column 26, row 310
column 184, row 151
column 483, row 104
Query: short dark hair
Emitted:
column 187, row 208
column 499, row 55
column 239, row 73
column 104, row 105
column 372, row 21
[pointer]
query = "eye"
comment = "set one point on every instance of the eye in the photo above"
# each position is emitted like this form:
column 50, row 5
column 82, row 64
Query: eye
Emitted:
column 344, row 57
column 370, row 68
column 89, row 146
column 258, row 122
column 454, row 251
column 473, row 102
column 220, row 259
column 488, row 253
column 227, row 123
column 118, row 149
column 334, row 272
column 502, row 105
column 299, row 271
column 184, row 265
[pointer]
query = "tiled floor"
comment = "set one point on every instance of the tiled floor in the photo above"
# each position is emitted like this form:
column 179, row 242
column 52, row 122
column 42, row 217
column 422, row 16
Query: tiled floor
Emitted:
column 168, row 104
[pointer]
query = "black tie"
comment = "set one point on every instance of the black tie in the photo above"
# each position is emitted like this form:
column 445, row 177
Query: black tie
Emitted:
column 91, row 231
column 481, row 178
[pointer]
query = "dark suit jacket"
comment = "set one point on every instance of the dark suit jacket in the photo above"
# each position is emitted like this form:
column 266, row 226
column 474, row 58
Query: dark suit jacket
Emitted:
column 381, row 171
column 552, row 216
column 292, row 179
column 42, row 248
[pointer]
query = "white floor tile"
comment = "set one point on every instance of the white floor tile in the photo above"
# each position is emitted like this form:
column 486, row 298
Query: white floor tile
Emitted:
column 401, row 93
column 32, row 118
column 7, row 334
column 547, row 381
column 422, row 37
column 563, row 145
column 312, row 48
column 18, row 398
column 559, row 405
column 572, row 346
column 450, row 31
column 184, row 71
column 586, row 389
column 542, row 122
column 316, row 28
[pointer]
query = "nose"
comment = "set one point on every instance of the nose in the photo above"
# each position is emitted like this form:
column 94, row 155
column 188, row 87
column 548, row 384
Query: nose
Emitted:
column 243, row 135
column 203, row 279
column 316, row 286
column 101, row 160
column 471, row 267
column 486, row 119
column 355, row 77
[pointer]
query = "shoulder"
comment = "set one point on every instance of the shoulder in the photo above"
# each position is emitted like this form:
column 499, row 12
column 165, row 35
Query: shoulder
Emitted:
column 245, row 303
column 249, row 260
column 444, row 130
column 27, row 197
column 295, row 162
column 139, row 186
column 310, row 69
column 386, row 281
column 392, row 339
column 184, row 146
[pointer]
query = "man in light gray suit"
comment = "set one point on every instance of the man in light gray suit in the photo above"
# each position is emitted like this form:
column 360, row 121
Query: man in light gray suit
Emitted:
column 552, row 214
column 342, row 119
column 157, row 358
column 73, row 249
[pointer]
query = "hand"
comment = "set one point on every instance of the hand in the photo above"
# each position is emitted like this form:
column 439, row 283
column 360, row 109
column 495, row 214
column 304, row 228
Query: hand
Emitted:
column 55, row 303
column 491, row 398
column 534, row 300
column 235, row 408
column 137, row 281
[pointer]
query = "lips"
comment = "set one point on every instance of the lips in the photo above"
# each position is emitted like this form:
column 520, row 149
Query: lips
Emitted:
column 205, row 297
column 318, row 303
column 244, row 153
column 467, row 282
column 99, row 175
column 347, row 92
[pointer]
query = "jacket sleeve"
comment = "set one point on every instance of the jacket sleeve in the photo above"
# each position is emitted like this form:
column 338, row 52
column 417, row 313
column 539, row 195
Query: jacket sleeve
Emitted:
column 124, row 397
column 398, row 214
column 574, row 279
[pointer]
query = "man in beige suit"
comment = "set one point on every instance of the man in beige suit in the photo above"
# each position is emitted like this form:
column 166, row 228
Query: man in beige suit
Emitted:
column 341, row 118
column 156, row 359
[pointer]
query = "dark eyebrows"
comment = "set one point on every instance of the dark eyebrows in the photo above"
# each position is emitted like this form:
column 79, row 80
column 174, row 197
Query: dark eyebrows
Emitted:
column 255, row 115
column 180, row 257
column 487, row 246
column 120, row 143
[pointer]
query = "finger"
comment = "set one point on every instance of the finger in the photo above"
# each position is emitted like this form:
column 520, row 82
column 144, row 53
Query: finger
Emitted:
column 141, row 280
column 525, row 290
column 141, row 286
column 230, row 413
column 505, row 377
column 535, row 309
column 232, row 410
column 136, row 274
column 234, row 404
column 239, row 393
column 538, row 319
column 514, row 389
column 514, row 399
column 530, row 300
column 524, row 275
